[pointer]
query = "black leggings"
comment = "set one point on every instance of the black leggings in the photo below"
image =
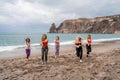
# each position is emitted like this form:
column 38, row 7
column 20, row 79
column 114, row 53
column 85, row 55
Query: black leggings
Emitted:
column 79, row 52
column 88, row 48
column 44, row 54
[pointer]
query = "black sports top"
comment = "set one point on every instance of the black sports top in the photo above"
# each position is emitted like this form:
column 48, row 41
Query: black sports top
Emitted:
column 77, row 43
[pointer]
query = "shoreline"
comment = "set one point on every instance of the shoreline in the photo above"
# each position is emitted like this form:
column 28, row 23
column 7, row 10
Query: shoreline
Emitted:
column 63, row 49
column 15, row 47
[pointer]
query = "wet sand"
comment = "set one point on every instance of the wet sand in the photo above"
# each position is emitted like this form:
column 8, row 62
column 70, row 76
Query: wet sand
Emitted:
column 103, row 64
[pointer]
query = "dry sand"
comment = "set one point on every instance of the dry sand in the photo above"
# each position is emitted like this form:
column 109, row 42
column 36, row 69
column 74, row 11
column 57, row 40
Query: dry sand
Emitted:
column 103, row 64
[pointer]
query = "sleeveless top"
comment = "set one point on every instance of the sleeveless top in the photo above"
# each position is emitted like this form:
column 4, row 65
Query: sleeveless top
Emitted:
column 27, row 45
column 89, row 41
column 45, row 44
column 77, row 43
column 57, row 43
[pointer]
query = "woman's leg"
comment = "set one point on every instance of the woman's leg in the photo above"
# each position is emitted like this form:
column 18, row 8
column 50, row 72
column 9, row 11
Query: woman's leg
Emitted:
column 58, row 51
column 46, row 53
column 90, row 48
column 27, row 53
column 42, row 50
column 87, row 49
column 81, row 53
column 77, row 52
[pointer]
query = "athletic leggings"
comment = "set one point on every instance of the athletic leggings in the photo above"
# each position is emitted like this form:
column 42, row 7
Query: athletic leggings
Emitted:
column 28, row 53
column 44, row 54
column 88, row 48
column 57, row 47
column 79, row 52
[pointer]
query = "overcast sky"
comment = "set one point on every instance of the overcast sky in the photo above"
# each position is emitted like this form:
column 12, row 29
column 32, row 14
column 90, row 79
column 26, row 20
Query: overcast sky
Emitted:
column 25, row 16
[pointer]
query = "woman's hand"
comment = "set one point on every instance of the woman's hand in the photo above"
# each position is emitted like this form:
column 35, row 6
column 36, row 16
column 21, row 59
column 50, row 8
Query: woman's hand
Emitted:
column 41, row 43
column 77, row 46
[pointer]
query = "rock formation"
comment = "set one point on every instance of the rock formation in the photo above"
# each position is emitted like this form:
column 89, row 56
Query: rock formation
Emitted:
column 102, row 25
column 52, row 28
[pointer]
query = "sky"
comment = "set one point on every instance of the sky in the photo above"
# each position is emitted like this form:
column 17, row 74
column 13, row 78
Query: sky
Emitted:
column 35, row 16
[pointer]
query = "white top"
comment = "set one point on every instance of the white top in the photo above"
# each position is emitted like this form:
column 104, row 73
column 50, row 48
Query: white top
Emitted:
column 27, row 45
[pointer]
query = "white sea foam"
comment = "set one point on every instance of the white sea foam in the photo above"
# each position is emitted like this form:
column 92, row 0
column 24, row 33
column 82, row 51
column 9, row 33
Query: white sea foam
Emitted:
column 84, row 41
column 9, row 48
column 102, row 40
column 63, row 43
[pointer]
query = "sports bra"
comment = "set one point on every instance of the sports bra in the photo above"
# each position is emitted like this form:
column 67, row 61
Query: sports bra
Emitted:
column 45, row 44
column 77, row 43
column 89, row 41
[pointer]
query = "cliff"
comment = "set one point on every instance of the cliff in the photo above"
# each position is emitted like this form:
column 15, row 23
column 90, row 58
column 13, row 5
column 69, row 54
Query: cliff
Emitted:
column 102, row 25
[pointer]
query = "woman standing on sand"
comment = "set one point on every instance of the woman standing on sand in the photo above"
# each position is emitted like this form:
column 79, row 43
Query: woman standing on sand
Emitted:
column 88, row 45
column 57, row 46
column 44, row 50
column 78, row 45
column 27, row 48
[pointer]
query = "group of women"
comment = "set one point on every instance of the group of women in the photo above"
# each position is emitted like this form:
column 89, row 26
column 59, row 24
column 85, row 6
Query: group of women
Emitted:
column 79, row 49
column 44, row 49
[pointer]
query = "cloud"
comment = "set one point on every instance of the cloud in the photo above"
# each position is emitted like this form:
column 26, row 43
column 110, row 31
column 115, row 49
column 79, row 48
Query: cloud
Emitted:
column 22, row 11
column 24, row 14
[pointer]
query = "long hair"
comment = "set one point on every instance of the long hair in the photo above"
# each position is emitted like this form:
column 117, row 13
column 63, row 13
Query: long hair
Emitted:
column 89, row 36
column 27, row 40
column 44, row 37
column 57, row 37
column 79, row 38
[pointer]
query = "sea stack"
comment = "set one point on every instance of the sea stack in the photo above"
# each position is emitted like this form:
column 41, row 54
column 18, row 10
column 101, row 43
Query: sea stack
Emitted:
column 52, row 28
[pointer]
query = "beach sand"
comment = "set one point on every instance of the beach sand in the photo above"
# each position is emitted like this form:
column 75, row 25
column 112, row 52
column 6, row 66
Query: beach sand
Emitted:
column 102, row 64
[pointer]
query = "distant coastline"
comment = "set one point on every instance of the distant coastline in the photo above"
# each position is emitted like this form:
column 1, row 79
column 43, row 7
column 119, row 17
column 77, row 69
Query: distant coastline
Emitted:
column 98, row 25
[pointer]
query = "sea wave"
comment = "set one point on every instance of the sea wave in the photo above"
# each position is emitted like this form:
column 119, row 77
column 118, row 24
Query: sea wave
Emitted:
column 102, row 40
column 84, row 41
column 10, row 48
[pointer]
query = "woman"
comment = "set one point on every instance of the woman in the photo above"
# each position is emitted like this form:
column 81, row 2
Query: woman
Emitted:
column 57, row 46
column 44, row 50
column 27, row 48
column 78, row 45
column 88, row 45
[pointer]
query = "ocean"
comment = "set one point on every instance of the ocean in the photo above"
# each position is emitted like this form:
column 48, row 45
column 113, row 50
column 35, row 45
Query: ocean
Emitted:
column 14, row 44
